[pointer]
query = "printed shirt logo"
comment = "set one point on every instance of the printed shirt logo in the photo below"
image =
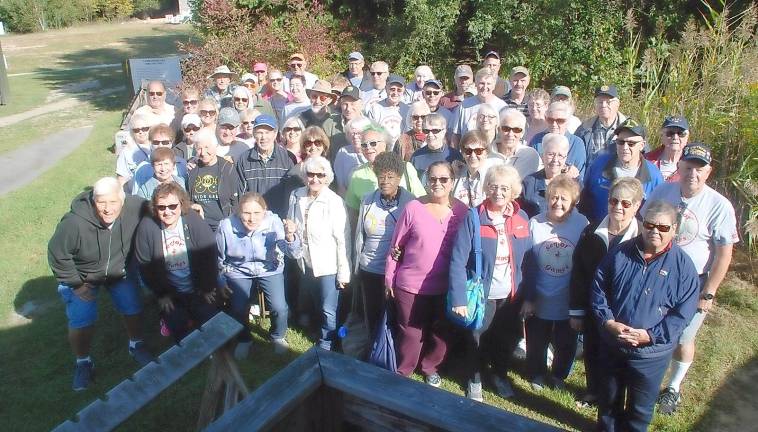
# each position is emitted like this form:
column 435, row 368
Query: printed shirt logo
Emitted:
column 554, row 256
column 206, row 188
column 688, row 229
column 663, row 272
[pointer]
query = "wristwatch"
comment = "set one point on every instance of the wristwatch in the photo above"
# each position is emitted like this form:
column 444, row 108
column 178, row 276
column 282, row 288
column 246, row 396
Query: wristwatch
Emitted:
column 708, row 296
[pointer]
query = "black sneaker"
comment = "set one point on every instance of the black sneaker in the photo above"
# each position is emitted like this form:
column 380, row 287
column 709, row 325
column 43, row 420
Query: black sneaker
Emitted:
column 83, row 375
column 668, row 401
column 140, row 354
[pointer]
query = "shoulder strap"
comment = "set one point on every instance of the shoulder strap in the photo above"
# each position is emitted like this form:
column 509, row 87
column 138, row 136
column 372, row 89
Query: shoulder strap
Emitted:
column 407, row 180
column 477, row 242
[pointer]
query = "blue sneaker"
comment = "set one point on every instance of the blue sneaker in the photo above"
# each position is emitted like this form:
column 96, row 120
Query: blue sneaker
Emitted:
column 140, row 354
column 83, row 375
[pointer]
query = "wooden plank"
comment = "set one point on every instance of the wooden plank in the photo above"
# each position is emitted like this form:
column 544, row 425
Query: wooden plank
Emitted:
column 130, row 395
column 425, row 405
column 275, row 399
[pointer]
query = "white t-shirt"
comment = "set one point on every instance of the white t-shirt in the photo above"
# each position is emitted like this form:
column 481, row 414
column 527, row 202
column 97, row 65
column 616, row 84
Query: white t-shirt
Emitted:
column 667, row 168
column 346, row 161
column 525, row 159
column 391, row 118
column 502, row 280
column 625, row 172
column 707, row 220
column 553, row 248
column 176, row 257
column 465, row 113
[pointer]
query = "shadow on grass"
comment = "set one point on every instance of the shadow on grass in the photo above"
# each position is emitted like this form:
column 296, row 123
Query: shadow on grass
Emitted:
column 733, row 406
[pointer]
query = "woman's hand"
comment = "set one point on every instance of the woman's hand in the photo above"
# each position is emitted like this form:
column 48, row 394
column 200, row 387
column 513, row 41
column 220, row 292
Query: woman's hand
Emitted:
column 396, row 253
column 290, row 228
column 527, row 310
column 388, row 292
column 341, row 285
column 199, row 209
column 166, row 304
column 461, row 311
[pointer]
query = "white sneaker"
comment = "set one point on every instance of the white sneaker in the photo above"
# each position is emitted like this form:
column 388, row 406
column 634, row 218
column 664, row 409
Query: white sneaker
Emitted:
column 474, row 391
column 255, row 310
column 520, row 351
column 242, row 350
column 549, row 356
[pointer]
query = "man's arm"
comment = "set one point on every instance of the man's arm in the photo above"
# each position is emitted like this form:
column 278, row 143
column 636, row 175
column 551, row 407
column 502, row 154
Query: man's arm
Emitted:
column 61, row 251
column 721, row 261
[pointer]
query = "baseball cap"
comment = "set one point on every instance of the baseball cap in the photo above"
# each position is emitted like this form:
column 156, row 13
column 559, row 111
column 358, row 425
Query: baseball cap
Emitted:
column 228, row 115
column 492, row 54
column 464, row 70
column 607, row 90
column 677, row 122
column 433, row 82
column 395, row 79
column 561, row 91
column 191, row 119
column 355, row 55
column 260, row 67
column 351, row 92
column 249, row 77
column 519, row 70
column 632, row 126
column 265, row 120
column 297, row 56
column 697, row 151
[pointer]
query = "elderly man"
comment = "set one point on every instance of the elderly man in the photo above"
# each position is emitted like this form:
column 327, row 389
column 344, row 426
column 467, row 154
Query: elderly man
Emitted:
column 263, row 169
column 432, row 93
column 464, row 87
column 356, row 72
column 89, row 252
column 675, row 133
column 511, row 148
column 222, row 89
column 157, row 110
column 557, row 117
column 563, row 94
column 707, row 232
column 350, row 108
column 492, row 62
column 644, row 293
column 212, row 184
column 319, row 114
column 296, row 67
column 465, row 114
column 380, row 72
column 597, row 132
column 227, row 130
column 435, row 149
column 390, row 113
column 414, row 91
column 516, row 96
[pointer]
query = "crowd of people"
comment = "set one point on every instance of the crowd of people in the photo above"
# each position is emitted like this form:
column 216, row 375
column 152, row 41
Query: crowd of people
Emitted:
column 312, row 191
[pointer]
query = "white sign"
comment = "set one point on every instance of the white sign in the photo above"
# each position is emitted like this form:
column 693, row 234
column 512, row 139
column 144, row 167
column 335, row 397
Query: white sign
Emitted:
column 166, row 69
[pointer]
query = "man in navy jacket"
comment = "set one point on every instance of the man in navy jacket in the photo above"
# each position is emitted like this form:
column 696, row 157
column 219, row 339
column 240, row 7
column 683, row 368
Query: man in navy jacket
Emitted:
column 644, row 293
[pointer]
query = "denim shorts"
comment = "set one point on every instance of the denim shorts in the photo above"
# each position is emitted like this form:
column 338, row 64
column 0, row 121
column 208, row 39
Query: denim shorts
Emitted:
column 80, row 313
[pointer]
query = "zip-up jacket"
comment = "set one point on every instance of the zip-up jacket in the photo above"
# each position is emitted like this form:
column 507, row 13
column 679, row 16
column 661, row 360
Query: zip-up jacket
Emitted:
column 83, row 249
column 462, row 260
column 266, row 177
column 660, row 296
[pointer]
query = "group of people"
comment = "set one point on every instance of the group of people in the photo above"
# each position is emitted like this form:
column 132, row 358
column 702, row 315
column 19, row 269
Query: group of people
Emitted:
column 308, row 189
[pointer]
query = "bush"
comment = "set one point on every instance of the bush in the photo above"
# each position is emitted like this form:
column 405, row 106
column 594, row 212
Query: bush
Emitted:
column 114, row 9
column 25, row 16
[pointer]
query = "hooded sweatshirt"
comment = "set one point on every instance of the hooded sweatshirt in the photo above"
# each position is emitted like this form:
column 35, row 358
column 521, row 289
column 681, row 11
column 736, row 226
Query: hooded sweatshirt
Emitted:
column 84, row 249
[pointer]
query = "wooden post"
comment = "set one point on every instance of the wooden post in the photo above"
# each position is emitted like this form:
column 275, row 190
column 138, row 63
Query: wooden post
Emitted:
column 224, row 388
column 5, row 92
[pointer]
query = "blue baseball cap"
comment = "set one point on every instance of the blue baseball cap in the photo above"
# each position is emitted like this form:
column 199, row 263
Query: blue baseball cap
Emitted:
column 265, row 120
column 677, row 122
column 433, row 82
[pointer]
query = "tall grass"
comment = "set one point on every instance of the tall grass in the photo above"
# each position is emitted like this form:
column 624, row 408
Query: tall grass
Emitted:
column 710, row 75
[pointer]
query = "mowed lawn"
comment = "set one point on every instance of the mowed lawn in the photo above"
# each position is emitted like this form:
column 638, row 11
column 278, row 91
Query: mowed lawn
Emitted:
column 35, row 358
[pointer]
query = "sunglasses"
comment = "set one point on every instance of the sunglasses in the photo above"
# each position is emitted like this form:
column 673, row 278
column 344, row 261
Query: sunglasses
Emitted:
column 378, row 73
column 516, row 130
column 239, row 99
column 190, row 102
column 316, row 175
column 250, row 85
column 191, row 128
column 260, row 71
column 441, row 180
column 478, row 150
column 168, row 206
column 155, row 93
column 662, row 228
column 276, row 79
column 207, row 113
column 624, row 203
column 291, row 129
column 418, row 117
column 321, row 97
column 161, row 142
column 672, row 133
column 296, row 64
column 432, row 92
column 628, row 143
column 142, row 129
column 431, row 131
column 555, row 120
column 370, row 143
column 311, row 143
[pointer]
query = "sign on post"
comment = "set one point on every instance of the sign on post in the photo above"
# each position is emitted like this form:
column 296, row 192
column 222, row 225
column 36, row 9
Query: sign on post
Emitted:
column 166, row 69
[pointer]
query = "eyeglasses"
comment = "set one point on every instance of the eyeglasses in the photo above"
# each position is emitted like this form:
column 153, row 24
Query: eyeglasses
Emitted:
column 316, row 175
column 310, row 143
column 321, row 97
column 553, row 155
column 628, row 143
column 681, row 133
column 478, row 150
column 239, row 99
column 155, row 93
column 141, row 129
column 487, row 117
column 207, row 113
column 624, row 203
column 291, row 129
column 370, row 143
column 555, row 120
column 418, row 117
column 441, row 180
column 662, row 228
column 378, row 73
column 227, row 127
column 496, row 188
column 189, row 102
column 191, row 128
column 167, row 206
column 431, row 131
column 516, row 130
column 161, row 142
column 276, row 79
column 432, row 92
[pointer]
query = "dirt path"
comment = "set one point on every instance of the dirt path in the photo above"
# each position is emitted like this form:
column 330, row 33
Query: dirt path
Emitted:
column 23, row 165
column 45, row 109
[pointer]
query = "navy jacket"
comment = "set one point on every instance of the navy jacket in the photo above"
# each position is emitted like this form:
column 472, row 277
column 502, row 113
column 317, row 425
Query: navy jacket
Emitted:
column 660, row 296
column 462, row 263
column 533, row 199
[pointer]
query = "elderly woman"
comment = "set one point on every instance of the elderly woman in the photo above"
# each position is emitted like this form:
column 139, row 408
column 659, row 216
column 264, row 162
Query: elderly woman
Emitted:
column 554, row 152
column 208, row 113
column 537, row 104
column 241, row 98
column 322, row 225
column 135, row 152
column 596, row 240
column 313, row 142
column 349, row 157
column 502, row 226
column 163, row 162
column 378, row 215
column 626, row 161
column 251, row 246
column 511, row 148
column 292, row 133
column 175, row 250
column 418, row 280
column 436, row 148
column 675, row 133
column 247, row 119
column 274, row 92
column 554, row 234
column 414, row 138
column 487, row 122
column 563, row 94
column 469, row 181
column 190, row 124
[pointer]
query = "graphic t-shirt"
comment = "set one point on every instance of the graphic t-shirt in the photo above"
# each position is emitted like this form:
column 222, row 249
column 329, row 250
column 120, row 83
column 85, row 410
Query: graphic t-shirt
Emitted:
column 176, row 258
column 378, row 225
column 205, row 193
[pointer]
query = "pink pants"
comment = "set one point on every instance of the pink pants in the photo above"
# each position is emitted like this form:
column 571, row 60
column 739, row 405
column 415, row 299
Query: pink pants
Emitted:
column 421, row 336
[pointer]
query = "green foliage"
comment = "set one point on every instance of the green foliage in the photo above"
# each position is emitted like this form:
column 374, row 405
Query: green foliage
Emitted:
column 114, row 9
column 26, row 16
column 144, row 6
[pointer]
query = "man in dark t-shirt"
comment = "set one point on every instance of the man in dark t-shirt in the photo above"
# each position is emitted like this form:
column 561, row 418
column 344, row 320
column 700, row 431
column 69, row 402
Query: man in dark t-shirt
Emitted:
column 212, row 184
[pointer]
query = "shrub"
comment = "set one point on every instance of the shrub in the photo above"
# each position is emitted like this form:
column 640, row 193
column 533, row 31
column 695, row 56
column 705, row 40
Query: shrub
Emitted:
column 114, row 9
column 34, row 15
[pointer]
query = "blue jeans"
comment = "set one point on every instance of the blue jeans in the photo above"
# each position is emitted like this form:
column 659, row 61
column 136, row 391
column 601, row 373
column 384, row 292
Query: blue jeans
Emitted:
column 539, row 333
column 323, row 290
column 273, row 293
column 80, row 313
